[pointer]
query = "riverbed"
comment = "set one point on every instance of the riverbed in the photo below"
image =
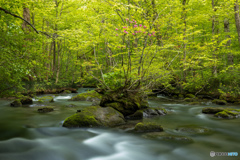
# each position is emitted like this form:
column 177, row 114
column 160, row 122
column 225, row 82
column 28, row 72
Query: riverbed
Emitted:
column 26, row 134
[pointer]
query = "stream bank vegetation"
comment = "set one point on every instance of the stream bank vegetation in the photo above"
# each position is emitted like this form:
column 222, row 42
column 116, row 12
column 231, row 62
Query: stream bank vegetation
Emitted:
column 124, row 48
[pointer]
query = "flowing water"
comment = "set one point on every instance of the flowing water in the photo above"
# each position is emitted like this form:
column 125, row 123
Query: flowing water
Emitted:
column 26, row 134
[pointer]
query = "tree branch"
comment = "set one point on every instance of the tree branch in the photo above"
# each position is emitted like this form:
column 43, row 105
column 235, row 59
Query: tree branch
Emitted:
column 14, row 15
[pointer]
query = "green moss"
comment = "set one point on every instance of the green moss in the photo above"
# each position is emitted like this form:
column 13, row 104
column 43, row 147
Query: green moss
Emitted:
column 94, row 116
column 219, row 102
column 67, row 91
column 148, row 127
column 137, row 115
column 46, row 99
column 212, row 110
column 228, row 114
column 188, row 99
column 80, row 120
column 190, row 96
column 84, row 96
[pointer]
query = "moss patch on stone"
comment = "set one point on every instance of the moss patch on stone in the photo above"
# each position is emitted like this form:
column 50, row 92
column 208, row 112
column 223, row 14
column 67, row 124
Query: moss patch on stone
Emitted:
column 46, row 99
column 16, row 103
column 148, row 127
column 45, row 109
column 90, row 95
column 212, row 110
column 228, row 114
column 219, row 102
column 94, row 116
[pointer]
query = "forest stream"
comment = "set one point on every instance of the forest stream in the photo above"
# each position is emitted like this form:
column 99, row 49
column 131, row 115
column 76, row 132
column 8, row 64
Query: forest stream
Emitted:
column 26, row 134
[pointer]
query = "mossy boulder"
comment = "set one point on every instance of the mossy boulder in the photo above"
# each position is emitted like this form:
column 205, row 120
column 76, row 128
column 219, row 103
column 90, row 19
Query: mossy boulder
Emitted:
column 219, row 102
column 135, row 116
column 21, row 101
column 26, row 100
column 46, row 99
column 16, row 103
column 45, row 109
column 88, row 96
column 95, row 116
column 123, row 101
column 228, row 114
column 191, row 129
column 148, row 127
column 212, row 110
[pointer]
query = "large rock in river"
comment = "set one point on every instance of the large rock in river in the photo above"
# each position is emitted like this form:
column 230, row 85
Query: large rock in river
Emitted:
column 94, row 116
column 20, row 101
column 123, row 101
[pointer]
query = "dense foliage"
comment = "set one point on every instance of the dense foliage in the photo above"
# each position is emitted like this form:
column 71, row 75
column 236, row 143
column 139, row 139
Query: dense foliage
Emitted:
column 185, row 45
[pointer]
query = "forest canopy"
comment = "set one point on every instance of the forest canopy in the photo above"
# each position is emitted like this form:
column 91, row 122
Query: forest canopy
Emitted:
column 177, row 45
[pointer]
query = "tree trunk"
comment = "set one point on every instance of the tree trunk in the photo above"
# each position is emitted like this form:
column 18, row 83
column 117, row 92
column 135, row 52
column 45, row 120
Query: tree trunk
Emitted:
column 215, row 31
column 227, row 30
column 237, row 19
column 26, row 16
column 184, row 38
column 58, row 59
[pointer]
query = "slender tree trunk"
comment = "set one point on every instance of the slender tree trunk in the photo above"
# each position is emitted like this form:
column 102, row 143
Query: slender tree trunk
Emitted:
column 214, row 33
column 227, row 30
column 26, row 16
column 184, row 39
column 237, row 19
column 58, row 59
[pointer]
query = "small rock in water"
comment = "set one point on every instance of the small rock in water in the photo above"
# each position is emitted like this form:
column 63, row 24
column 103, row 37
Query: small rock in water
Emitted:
column 148, row 127
column 190, row 129
column 45, row 109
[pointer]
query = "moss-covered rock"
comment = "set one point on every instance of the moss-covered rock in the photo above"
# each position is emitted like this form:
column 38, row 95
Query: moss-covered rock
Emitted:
column 228, row 114
column 26, row 100
column 46, row 99
column 135, row 116
column 212, row 110
column 88, row 96
column 94, row 116
column 16, row 103
column 219, row 102
column 45, row 109
column 125, row 102
column 191, row 129
column 148, row 127
column 21, row 101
